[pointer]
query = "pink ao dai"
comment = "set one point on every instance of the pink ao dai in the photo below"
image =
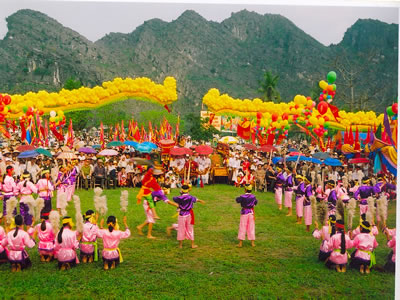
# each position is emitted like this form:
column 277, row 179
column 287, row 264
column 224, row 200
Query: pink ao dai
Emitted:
column 365, row 242
column 16, row 245
column 324, row 232
column 29, row 189
column 45, row 188
column 111, row 241
column 66, row 250
column 46, row 238
column 89, row 235
column 334, row 243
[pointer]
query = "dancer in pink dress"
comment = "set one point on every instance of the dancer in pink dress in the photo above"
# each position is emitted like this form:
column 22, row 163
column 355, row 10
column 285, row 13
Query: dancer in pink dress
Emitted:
column 45, row 188
column 25, row 190
column 9, row 188
column 338, row 244
column 325, row 234
column 16, row 241
column 66, row 245
column 365, row 243
column 111, row 238
column 45, row 232
column 247, row 224
column 88, row 245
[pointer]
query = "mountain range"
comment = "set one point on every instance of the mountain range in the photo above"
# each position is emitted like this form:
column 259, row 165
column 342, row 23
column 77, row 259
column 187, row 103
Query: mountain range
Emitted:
column 40, row 53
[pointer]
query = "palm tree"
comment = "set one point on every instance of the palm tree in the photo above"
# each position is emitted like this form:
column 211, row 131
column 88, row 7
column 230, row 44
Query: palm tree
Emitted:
column 268, row 87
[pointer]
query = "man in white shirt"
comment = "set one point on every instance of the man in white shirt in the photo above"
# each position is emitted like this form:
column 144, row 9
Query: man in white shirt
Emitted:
column 204, row 164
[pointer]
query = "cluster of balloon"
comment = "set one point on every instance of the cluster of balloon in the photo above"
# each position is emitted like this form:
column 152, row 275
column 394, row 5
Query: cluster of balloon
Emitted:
column 328, row 92
column 57, row 122
column 5, row 110
column 4, row 107
column 392, row 111
column 57, row 119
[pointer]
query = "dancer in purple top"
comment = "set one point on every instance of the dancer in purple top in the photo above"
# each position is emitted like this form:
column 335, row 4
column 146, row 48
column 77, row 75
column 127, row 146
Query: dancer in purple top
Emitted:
column 186, row 215
column 289, row 183
column 280, row 180
column 363, row 192
column 332, row 197
column 247, row 224
column 300, row 191
column 307, row 203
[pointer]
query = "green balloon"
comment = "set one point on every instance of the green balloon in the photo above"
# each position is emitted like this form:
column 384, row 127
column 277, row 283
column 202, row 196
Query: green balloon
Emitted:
column 331, row 77
column 389, row 111
column 25, row 109
column 334, row 87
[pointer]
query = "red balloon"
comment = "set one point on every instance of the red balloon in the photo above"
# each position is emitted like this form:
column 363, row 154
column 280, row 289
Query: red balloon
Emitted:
column 41, row 112
column 274, row 117
column 285, row 116
column 395, row 108
column 2, row 119
column 326, row 118
column 7, row 99
column 322, row 107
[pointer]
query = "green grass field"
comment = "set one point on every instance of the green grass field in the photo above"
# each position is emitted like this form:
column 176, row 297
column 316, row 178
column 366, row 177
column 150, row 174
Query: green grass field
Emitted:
column 284, row 264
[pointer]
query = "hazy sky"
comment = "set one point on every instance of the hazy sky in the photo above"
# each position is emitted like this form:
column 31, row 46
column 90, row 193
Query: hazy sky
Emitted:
column 327, row 24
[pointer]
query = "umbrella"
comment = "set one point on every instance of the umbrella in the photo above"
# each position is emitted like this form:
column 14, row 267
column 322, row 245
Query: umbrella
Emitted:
column 131, row 143
column 292, row 150
column 150, row 144
column 143, row 148
column 332, row 162
column 142, row 161
column 204, row 150
column 96, row 146
column 298, row 157
column 87, row 150
column 360, row 160
column 108, row 152
column 24, row 148
column 276, row 159
column 316, row 161
column 115, row 144
column 250, row 147
column 28, row 154
column 320, row 155
column 294, row 153
column 44, row 152
column 229, row 140
column 180, row 151
column 267, row 148
column 65, row 149
column 67, row 155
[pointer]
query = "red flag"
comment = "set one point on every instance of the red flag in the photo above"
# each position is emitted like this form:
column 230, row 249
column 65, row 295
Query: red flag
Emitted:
column 102, row 142
column 23, row 130
column 335, row 111
column 357, row 145
column 270, row 140
column 70, row 136
column 243, row 130
column 351, row 137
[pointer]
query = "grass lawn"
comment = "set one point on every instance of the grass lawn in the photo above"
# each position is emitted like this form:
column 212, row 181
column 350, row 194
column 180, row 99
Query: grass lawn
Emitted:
column 283, row 264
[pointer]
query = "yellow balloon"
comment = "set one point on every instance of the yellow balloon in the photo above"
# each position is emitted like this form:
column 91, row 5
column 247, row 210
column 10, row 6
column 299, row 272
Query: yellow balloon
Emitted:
column 323, row 84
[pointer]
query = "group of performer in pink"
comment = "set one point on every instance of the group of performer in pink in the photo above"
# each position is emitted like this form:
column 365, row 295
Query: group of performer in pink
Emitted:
column 62, row 245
